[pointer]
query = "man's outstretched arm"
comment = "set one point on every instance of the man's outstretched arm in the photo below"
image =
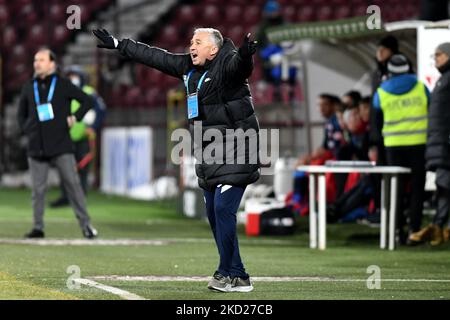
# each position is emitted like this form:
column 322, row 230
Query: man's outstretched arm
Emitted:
column 240, row 66
column 175, row 65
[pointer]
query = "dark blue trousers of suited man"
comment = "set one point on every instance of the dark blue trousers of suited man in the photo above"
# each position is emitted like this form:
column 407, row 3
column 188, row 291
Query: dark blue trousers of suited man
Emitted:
column 221, row 209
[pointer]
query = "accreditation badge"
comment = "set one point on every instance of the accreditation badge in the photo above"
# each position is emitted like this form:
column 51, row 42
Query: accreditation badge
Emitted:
column 45, row 112
column 192, row 104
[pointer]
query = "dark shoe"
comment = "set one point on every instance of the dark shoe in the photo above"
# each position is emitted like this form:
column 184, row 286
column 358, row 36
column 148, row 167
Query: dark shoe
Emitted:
column 241, row 285
column 35, row 233
column 332, row 215
column 219, row 283
column 412, row 243
column 59, row 203
column 402, row 237
column 374, row 218
column 89, row 232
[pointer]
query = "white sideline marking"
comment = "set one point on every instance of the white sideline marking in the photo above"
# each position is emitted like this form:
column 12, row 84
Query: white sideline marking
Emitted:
column 85, row 242
column 255, row 279
column 134, row 242
column 119, row 292
column 197, row 278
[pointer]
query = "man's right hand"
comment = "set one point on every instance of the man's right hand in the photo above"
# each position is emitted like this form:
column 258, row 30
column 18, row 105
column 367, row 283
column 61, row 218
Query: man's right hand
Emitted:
column 108, row 41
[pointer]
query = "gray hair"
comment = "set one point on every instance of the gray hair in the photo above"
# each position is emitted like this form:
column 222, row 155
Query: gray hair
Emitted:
column 214, row 35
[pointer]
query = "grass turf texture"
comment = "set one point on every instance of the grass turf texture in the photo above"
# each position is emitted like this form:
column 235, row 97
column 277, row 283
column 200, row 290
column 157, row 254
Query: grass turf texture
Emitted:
column 39, row 272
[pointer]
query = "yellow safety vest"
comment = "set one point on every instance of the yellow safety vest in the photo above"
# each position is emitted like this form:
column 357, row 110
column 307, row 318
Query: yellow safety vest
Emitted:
column 78, row 130
column 405, row 117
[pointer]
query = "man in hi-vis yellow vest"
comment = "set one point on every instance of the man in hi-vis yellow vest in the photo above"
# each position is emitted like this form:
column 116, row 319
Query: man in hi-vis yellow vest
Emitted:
column 401, row 104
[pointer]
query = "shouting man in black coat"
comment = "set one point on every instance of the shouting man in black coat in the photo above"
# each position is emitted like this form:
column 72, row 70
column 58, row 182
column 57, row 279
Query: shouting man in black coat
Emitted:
column 218, row 98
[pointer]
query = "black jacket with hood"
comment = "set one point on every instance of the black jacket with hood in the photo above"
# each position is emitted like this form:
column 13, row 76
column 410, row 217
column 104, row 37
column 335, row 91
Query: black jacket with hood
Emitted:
column 224, row 101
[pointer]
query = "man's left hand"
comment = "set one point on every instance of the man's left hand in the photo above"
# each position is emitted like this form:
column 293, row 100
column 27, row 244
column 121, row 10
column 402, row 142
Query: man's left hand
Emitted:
column 108, row 41
column 248, row 47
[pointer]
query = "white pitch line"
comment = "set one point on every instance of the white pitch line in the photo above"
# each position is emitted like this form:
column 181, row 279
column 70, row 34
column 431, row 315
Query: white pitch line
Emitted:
column 131, row 242
column 85, row 242
column 255, row 279
column 119, row 292
column 201, row 279
column 243, row 240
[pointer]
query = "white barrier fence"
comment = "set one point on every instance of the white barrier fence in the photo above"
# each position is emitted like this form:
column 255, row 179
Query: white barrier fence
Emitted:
column 127, row 161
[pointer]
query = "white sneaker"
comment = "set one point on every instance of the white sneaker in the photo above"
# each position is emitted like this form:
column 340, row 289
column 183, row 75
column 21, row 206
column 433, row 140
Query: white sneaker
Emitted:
column 241, row 285
column 219, row 283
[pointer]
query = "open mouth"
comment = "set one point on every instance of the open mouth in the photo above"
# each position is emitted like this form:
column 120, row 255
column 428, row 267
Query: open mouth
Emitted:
column 194, row 55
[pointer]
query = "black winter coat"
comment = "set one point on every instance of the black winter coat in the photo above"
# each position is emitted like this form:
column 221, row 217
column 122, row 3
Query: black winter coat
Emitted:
column 438, row 134
column 50, row 138
column 225, row 102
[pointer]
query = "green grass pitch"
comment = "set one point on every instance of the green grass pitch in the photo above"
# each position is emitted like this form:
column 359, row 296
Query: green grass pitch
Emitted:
column 340, row 272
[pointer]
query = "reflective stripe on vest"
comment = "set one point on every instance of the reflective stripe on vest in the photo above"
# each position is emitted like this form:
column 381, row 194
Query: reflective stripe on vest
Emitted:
column 405, row 117
column 78, row 130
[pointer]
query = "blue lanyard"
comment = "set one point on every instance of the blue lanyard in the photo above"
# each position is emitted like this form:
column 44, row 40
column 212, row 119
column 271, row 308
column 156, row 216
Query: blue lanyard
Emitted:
column 199, row 82
column 50, row 91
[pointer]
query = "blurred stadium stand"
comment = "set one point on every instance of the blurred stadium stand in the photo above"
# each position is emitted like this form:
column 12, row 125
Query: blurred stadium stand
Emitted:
column 234, row 18
column 27, row 24
column 176, row 22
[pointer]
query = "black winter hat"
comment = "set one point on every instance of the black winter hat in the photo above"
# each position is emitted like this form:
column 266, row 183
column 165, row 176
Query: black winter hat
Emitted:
column 389, row 42
column 398, row 64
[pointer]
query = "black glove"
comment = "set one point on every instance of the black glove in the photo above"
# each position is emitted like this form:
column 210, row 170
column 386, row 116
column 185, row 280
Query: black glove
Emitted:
column 108, row 41
column 248, row 48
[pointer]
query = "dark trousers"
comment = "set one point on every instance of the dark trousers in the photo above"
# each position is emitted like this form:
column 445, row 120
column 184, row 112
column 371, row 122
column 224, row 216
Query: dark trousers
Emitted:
column 443, row 206
column 412, row 157
column 221, row 208
column 442, row 197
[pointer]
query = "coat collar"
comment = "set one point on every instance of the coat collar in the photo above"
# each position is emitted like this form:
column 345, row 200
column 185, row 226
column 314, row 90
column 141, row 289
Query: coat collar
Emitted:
column 444, row 68
column 46, row 79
